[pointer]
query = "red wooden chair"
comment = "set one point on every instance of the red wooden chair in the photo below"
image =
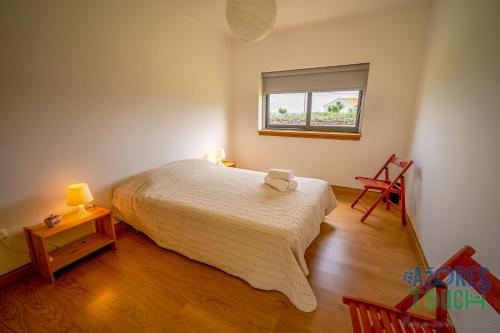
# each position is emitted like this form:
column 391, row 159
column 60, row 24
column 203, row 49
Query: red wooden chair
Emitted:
column 386, row 187
column 370, row 317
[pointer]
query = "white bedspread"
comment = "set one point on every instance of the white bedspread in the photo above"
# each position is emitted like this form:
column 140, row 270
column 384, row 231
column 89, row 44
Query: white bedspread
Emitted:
column 228, row 218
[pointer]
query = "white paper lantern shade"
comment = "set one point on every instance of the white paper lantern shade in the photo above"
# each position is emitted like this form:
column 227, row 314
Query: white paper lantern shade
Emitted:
column 251, row 20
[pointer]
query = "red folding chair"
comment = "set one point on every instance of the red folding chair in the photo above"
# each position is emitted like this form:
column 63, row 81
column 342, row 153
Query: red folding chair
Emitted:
column 386, row 187
column 370, row 317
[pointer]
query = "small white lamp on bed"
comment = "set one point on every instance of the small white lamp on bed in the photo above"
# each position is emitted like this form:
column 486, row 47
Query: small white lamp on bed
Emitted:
column 219, row 154
column 78, row 195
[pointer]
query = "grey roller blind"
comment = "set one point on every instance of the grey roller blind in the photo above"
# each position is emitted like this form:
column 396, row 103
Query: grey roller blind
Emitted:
column 348, row 77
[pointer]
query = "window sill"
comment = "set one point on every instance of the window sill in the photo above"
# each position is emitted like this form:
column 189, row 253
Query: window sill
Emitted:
column 310, row 134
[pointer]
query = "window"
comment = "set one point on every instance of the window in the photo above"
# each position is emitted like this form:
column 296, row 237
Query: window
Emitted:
column 287, row 110
column 326, row 99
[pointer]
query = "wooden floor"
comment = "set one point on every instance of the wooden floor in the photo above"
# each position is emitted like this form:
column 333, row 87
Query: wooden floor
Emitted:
column 142, row 288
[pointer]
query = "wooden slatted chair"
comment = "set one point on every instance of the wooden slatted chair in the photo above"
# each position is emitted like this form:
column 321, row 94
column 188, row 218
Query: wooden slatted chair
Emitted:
column 386, row 187
column 371, row 317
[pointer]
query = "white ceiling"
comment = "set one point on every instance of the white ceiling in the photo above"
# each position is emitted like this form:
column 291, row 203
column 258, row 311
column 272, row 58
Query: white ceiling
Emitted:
column 291, row 13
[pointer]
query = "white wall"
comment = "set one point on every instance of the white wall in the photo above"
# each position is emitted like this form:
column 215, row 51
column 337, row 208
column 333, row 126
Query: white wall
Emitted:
column 391, row 41
column 96, row 91
column 454, row 191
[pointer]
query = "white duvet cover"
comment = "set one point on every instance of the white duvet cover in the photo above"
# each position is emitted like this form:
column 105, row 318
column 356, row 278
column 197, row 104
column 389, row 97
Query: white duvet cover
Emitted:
column 228, row 218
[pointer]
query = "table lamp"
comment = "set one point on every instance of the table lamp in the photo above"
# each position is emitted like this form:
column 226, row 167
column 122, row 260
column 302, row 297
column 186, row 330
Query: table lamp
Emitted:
column 78, row 195
column 219, row 155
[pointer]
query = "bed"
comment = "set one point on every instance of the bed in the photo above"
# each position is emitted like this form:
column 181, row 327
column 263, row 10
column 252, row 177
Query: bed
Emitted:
column 229, row 219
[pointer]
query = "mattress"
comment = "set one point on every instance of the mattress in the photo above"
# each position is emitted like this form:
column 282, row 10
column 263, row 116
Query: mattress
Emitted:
column 229, row 219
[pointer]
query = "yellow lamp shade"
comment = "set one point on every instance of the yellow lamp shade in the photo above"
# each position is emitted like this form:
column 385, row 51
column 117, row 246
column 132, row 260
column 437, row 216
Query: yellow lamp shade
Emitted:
column 78, row 194
column 220, row 153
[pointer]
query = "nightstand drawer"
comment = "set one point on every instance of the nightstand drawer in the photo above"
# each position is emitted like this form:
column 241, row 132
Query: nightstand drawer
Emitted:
column 76, row 250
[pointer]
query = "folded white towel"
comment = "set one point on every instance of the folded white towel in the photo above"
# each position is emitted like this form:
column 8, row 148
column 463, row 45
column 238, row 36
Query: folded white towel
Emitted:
column 281, row 184
column 281, row 174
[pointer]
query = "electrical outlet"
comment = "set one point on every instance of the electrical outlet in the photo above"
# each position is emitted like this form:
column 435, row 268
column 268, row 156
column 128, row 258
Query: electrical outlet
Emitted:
column 3, row 233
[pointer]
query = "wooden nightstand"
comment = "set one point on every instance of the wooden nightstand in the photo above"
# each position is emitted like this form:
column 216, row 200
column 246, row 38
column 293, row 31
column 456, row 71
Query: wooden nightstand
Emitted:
column 47, row 263
column 229, row 164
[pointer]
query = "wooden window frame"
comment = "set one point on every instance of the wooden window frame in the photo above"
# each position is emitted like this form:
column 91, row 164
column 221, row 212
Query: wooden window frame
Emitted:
column 311, row 134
